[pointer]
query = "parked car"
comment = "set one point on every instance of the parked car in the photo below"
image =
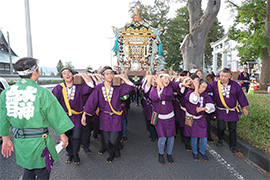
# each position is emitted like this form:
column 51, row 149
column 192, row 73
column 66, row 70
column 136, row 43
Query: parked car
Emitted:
column 3, row 86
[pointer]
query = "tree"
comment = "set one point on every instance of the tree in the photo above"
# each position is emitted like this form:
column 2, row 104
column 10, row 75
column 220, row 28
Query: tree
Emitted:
column 178, row 27
column 192, row 47
column 59, row 66
column 176, row 30
column 251, row 30
column 89, row 68
column 153, row 15
column 69, row 65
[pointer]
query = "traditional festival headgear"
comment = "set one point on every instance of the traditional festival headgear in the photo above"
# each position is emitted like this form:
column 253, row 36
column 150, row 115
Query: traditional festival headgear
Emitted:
column 65, row 69
column 28, row 71
column 108, row 68
column 164, row 75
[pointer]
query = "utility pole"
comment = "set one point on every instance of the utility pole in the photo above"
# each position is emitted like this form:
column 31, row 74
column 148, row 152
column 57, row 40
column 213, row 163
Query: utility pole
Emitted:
column 28, row 29
column 9, row 52
column 110, row 48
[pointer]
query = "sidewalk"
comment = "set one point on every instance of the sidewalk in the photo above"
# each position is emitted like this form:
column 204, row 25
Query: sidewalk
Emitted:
column 254, row 154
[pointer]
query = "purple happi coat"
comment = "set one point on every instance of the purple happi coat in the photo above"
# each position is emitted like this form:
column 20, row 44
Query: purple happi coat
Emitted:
column 244, row 77
column 109, row 121
column 76, row 102
column 180, row 101
column 199, row 127
column 163, row 106
column 232, row 93
column 147, row 103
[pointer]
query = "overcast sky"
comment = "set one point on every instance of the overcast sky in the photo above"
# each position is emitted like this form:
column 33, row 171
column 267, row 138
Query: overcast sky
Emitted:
column 72, row 30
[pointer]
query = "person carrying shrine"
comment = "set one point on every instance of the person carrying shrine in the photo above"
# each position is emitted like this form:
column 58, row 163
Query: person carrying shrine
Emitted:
column 147, row 111
column 30, row 110
column 162, row 96
column 197, row 103
column 106, row 96
column 227, row 95
column 70, row 96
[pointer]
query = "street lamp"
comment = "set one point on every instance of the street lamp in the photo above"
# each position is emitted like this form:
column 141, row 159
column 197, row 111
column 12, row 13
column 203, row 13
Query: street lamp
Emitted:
column 110, row 48
column 28, row 29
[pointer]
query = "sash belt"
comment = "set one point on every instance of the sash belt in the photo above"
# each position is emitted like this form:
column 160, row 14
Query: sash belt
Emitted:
column 194, row 117
column 225, row 109
column 29, row 133
column 166, row 116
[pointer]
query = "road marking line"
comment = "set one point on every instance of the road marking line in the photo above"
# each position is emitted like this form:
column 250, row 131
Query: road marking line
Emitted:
column 224, row 163
column 59, row 147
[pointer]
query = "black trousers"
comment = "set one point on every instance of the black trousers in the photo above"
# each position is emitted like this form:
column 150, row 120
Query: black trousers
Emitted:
column 111, row 141
column 74, row 140
column 151, row 128
column 184, row 139
column 232, row 131
column 87, row 130
column 36, row 174
column 208, row 120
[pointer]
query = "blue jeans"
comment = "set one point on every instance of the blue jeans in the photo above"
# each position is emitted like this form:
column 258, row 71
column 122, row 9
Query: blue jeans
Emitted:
column 194, row 144
column 161, row 145
column 124, row 124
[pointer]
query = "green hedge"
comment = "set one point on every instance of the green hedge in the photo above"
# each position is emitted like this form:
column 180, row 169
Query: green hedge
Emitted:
column 255, row 128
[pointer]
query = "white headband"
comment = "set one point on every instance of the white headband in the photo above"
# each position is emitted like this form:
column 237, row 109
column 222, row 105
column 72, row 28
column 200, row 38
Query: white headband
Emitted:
column 164, row 75
column 106, row 70
column 28, row 71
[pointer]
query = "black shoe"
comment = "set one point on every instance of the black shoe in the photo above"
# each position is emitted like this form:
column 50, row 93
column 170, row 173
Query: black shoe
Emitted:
column 220, row 143
column 102, row 151
column 210, row 139
column 69, row 159
column 170, row 159
column 110, row 158
column 234, row 150
column 124, row 140
column 117, row 155
column 205, row 158
column 196, row 157
column 161, row 159
column 76, row 159
column 87, row 151
column 187, row 146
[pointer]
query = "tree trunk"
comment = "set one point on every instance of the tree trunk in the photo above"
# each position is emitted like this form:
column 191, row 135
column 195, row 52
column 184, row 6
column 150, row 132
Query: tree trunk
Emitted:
column 265, row 73
column 192, row 47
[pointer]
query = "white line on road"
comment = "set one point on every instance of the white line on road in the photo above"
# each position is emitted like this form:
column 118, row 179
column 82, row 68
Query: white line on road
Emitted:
column 224, row 163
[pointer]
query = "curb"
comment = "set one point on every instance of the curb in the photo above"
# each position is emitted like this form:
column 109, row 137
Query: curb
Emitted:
column 254, row 154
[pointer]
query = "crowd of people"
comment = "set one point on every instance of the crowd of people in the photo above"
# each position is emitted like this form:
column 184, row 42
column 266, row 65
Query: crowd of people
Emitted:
column 181, row 104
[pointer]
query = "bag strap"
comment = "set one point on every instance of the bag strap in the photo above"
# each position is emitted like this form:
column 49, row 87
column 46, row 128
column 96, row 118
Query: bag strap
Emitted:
column 108, row 99
column 222, row 98
column 64, row 92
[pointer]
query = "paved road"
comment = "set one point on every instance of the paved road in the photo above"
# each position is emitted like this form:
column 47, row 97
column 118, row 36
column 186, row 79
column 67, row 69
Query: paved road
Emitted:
column 140, row 161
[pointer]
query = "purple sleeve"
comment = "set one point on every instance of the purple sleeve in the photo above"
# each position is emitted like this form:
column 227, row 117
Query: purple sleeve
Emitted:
column 86, row 89
column 175, row 85
column 92, row 102
column 241, row 97
column 153, row 95
column 125, row 89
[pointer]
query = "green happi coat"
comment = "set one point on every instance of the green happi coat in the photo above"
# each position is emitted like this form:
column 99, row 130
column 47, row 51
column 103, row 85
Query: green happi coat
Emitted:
column 27, row 105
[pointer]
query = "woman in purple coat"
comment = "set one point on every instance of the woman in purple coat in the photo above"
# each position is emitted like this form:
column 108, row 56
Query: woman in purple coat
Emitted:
column 162, row 97
column 198, row 102
column 106, row 96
